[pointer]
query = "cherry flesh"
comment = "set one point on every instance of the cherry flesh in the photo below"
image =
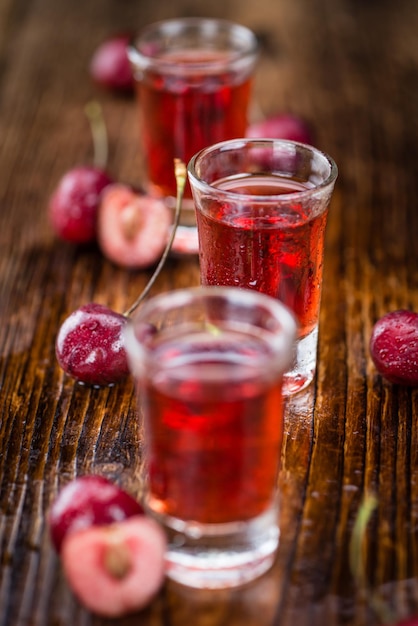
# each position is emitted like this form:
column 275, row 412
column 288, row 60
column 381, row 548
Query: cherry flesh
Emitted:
column 394, row 347
column 116, row 569
column 133, row 227
column 89, row 501
column 282, row 126
column 74, row 203
column 110, row 66
column 89, row 345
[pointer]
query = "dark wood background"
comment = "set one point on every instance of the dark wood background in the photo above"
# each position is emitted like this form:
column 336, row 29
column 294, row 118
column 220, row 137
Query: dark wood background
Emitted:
column 351, row 68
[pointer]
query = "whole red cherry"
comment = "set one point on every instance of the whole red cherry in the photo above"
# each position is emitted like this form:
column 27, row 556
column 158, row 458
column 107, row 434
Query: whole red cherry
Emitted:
column 110, row 66
column 74, row 203
column 87, row 501
column 394, row 347
column 89, row 345
column 282, row 126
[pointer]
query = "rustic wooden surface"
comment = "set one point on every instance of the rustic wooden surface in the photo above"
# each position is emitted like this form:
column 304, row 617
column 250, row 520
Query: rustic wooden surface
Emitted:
column 351, row 68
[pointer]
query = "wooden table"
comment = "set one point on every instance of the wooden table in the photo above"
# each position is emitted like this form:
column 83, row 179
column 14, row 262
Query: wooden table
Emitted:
column 351, row 68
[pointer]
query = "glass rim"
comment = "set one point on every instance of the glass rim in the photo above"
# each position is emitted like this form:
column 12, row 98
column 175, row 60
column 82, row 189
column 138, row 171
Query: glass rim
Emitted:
column 139, row 57
column 281, row 342
column 224, row 146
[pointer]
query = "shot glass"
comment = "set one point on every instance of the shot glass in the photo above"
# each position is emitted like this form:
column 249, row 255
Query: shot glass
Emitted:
column 208, row 364
column 193, row 80
column 262, row 209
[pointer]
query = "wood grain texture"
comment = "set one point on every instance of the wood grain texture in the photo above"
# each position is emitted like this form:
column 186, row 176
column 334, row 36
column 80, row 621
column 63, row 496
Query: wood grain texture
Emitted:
column 351, row 69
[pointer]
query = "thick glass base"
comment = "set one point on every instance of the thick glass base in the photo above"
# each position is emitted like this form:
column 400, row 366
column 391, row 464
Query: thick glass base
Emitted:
column 304, row 366
column 216, row 556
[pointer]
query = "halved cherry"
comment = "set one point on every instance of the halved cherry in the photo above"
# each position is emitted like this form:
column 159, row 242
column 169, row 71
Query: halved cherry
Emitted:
column 133, row 228
column 117, row 569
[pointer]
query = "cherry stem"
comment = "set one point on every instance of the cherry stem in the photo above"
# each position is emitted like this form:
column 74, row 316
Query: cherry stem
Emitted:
column 180, row 174
column 357, row 565
column 94, row 113
column 356, row 545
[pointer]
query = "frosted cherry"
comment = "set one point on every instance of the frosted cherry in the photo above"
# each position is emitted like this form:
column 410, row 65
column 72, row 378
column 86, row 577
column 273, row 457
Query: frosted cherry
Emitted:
column 394, row 347
column 89, row 345
column 88, row 501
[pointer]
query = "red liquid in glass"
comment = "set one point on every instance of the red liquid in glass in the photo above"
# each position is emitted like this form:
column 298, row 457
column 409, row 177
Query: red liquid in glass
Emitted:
column 189, row 109
column 215, row 440
column 278, row 253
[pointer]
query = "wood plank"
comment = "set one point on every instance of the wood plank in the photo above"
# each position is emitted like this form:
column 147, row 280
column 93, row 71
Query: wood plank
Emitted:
column 351, row 69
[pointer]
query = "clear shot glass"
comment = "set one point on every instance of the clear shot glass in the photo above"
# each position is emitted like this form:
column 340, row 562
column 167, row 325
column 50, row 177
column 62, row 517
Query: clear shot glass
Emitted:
column 193, row 80
column 262, row 208
column 208, row 364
